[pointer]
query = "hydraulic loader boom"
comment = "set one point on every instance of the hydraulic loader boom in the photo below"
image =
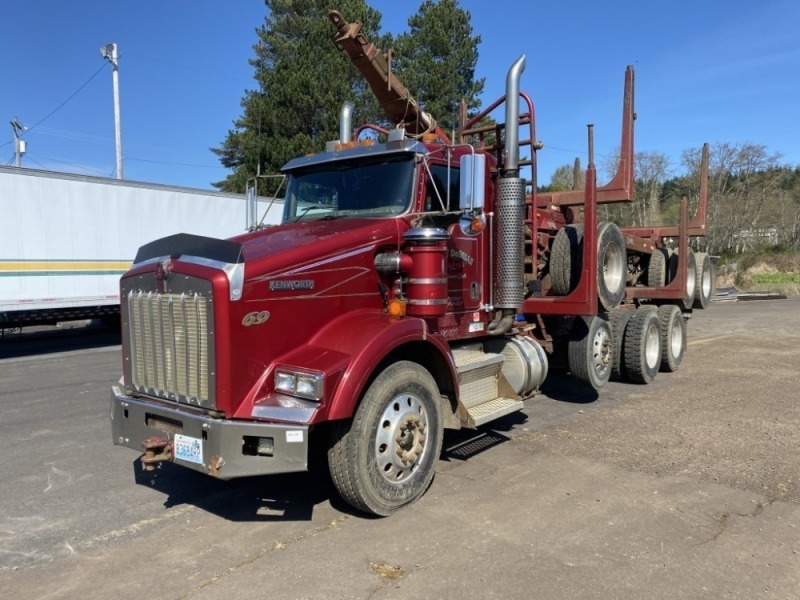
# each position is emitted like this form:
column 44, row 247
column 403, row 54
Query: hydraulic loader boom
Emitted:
column 396, row 101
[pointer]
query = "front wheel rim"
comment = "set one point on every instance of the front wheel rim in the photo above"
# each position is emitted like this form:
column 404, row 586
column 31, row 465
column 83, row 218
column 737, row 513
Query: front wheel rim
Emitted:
column 400, row 442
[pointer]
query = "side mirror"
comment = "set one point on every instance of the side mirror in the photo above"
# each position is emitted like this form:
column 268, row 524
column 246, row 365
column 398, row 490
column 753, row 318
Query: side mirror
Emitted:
column 472, row 181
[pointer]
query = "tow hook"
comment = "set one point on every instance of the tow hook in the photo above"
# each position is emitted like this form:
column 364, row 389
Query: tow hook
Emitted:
column 156, row 450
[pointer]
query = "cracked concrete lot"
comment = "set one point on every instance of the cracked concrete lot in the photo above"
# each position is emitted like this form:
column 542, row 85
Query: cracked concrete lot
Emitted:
column 685, row 488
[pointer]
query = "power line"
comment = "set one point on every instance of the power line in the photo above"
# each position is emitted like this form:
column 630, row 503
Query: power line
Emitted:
column 60, row 106
column 64, row 162
column 201, row 71
column 165, row 162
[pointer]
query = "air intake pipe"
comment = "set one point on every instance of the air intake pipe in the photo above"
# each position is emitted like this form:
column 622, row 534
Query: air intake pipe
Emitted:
column 346, row 123
column 509, row 216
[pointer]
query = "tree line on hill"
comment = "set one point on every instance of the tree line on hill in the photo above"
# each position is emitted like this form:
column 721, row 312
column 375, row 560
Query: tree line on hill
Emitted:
column 301, row 81
column 753, row 199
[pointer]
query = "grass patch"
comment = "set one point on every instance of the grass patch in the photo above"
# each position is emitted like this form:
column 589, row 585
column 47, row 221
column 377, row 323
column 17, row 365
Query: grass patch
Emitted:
column 776, row 277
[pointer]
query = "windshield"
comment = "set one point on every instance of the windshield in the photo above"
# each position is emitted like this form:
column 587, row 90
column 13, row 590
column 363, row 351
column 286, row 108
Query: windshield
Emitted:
column 378, row 186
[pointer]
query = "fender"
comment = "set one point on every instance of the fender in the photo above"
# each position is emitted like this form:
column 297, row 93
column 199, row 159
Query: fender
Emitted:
column 367, row 337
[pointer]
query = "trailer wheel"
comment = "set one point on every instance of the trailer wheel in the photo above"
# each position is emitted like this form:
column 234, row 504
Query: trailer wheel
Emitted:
column 641, row 347
column 383, row 458
column 657, row 268
column 691, row 277
column 590, row 350
column 566, row 259
column 612, row 264
column 673, row 337
column 618, row 320
column 704, row 281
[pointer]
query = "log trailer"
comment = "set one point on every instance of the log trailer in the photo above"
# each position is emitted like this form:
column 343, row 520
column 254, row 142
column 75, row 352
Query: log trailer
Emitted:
column 407, row 291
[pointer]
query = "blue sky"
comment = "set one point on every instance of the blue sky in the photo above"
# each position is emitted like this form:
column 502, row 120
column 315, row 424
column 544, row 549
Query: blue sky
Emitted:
column 713, row 70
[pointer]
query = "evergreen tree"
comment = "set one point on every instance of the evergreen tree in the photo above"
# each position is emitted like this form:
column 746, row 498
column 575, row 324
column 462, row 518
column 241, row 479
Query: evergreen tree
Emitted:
column 303, row 81
column 436, row 60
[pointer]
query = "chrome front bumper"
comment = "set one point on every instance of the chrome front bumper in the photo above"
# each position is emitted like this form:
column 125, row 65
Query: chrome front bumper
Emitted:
column 226, row 448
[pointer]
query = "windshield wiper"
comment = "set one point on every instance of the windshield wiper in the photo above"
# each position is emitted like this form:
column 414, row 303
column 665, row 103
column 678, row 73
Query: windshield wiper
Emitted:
column 308, row 209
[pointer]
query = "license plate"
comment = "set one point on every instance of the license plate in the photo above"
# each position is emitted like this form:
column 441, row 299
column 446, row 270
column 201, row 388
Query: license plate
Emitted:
column 188, row 448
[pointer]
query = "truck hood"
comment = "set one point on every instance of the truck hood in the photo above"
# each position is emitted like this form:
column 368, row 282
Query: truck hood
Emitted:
column 295, row 244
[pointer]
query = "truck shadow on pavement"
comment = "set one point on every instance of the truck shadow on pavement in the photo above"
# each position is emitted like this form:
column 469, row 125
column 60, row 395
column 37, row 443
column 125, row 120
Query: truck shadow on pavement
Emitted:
column 294, row 496
column 286, row 497
column 564, row 388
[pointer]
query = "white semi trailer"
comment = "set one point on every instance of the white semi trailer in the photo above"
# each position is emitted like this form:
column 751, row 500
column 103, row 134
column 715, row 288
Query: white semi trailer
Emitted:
column 66, row 239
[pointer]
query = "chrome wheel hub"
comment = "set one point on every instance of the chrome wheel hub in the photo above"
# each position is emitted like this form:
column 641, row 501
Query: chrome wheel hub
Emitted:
column 400, row 439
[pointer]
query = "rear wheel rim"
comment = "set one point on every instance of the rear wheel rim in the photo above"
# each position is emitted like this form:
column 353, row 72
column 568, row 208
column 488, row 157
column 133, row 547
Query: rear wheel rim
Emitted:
column 601, row 351
column 652, row 347
column 613, row 267
column 691, row 280
column 676, row 338
column 706, row 285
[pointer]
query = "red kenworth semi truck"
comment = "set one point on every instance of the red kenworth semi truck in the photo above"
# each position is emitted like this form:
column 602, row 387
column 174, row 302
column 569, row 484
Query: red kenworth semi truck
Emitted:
column 406, row 291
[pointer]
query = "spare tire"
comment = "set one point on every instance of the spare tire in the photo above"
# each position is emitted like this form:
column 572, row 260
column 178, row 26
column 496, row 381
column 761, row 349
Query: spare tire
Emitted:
column 657, row 268
column 612, row 265
column 704, row 281
column 566, row 260
column 691, row 277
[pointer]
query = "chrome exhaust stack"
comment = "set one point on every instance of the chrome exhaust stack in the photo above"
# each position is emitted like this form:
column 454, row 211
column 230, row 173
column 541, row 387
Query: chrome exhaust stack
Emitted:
column 509, row 219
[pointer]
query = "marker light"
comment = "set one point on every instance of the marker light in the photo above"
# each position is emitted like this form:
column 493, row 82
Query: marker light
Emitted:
column 396, row 308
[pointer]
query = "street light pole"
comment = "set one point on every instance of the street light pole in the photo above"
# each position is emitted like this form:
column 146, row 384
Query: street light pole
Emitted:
column 109, row 52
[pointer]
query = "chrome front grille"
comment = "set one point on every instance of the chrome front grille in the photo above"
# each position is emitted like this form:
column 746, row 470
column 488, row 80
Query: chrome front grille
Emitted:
column 168, row 345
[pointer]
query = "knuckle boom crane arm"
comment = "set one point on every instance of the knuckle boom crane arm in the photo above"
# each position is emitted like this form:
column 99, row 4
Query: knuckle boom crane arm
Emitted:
column 395, row 100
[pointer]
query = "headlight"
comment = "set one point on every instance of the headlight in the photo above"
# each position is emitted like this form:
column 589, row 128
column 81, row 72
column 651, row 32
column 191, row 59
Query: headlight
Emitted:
column 300, row 384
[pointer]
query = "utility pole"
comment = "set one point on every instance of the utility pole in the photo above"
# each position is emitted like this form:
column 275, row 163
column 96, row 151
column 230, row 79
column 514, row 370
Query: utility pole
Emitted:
column 109, row 52
column 19, row 143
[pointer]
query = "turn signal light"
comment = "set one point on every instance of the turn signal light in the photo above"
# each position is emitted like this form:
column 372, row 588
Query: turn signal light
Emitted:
column 476, row 226
column 396, row 308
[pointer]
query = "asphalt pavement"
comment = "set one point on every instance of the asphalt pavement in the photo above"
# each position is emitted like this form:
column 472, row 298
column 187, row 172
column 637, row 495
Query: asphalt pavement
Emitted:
column 685, row 488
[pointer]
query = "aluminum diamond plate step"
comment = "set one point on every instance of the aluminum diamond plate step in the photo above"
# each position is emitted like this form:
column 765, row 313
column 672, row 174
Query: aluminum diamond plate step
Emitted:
column 493, row 409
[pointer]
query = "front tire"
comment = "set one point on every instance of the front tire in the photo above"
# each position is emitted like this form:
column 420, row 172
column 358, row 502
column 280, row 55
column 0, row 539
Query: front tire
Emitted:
column 383, row 459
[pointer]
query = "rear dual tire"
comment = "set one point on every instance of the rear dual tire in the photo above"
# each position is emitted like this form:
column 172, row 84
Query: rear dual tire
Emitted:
column 673, row 337
column 590, row 351
column 641, row 346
